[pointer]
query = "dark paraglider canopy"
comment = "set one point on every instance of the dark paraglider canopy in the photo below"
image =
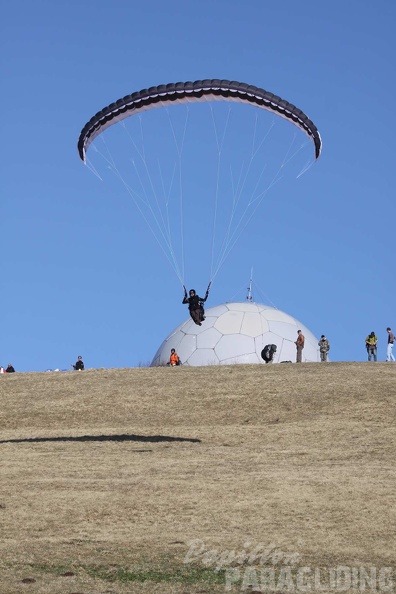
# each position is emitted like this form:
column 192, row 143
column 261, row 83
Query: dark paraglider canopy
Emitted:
column 199, row 169
column 188, row 92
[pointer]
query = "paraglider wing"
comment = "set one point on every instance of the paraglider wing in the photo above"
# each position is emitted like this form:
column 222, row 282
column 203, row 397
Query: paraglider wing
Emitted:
column 189, row 92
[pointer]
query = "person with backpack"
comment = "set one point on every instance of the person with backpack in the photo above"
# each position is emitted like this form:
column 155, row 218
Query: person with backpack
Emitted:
column 371, row 346
column 268, row 352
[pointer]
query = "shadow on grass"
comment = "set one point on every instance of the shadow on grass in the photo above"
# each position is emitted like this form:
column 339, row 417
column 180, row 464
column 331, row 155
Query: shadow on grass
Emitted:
column 83, row 438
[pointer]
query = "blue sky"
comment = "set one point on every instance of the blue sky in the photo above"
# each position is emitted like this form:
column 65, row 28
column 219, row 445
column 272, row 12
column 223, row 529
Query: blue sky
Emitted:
column 81, row 272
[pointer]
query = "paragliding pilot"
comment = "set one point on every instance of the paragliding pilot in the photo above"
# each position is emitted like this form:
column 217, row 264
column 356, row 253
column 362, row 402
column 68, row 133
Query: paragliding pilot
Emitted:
column 268, row 353
column 195, row 304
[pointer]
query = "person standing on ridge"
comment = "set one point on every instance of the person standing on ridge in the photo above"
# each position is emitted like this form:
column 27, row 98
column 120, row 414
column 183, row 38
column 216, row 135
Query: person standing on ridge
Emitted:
column 300, row 342
column 324, row 347
column 79, row 365
column 371, row 346
column 391, row 340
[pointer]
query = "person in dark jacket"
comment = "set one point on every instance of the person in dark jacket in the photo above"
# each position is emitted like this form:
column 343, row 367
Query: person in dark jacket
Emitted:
column 10, row 369
column 195, row 305
column 268, row 353
column 79, row 365
column 391, row 340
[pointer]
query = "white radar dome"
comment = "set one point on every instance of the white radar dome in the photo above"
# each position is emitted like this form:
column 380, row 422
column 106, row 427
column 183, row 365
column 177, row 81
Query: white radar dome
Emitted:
column 237, row 333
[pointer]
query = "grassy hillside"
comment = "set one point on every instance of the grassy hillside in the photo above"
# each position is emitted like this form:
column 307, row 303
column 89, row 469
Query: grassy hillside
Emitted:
column 107, row 476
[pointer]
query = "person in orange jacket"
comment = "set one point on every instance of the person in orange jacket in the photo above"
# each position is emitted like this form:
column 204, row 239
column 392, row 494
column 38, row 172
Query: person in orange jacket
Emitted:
column 174, row 358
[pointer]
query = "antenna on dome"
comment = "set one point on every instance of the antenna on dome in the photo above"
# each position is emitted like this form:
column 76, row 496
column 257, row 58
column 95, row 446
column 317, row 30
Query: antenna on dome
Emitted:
column 249, row 296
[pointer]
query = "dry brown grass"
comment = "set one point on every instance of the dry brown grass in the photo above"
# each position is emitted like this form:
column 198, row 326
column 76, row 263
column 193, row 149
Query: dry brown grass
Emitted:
column 109, row 472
